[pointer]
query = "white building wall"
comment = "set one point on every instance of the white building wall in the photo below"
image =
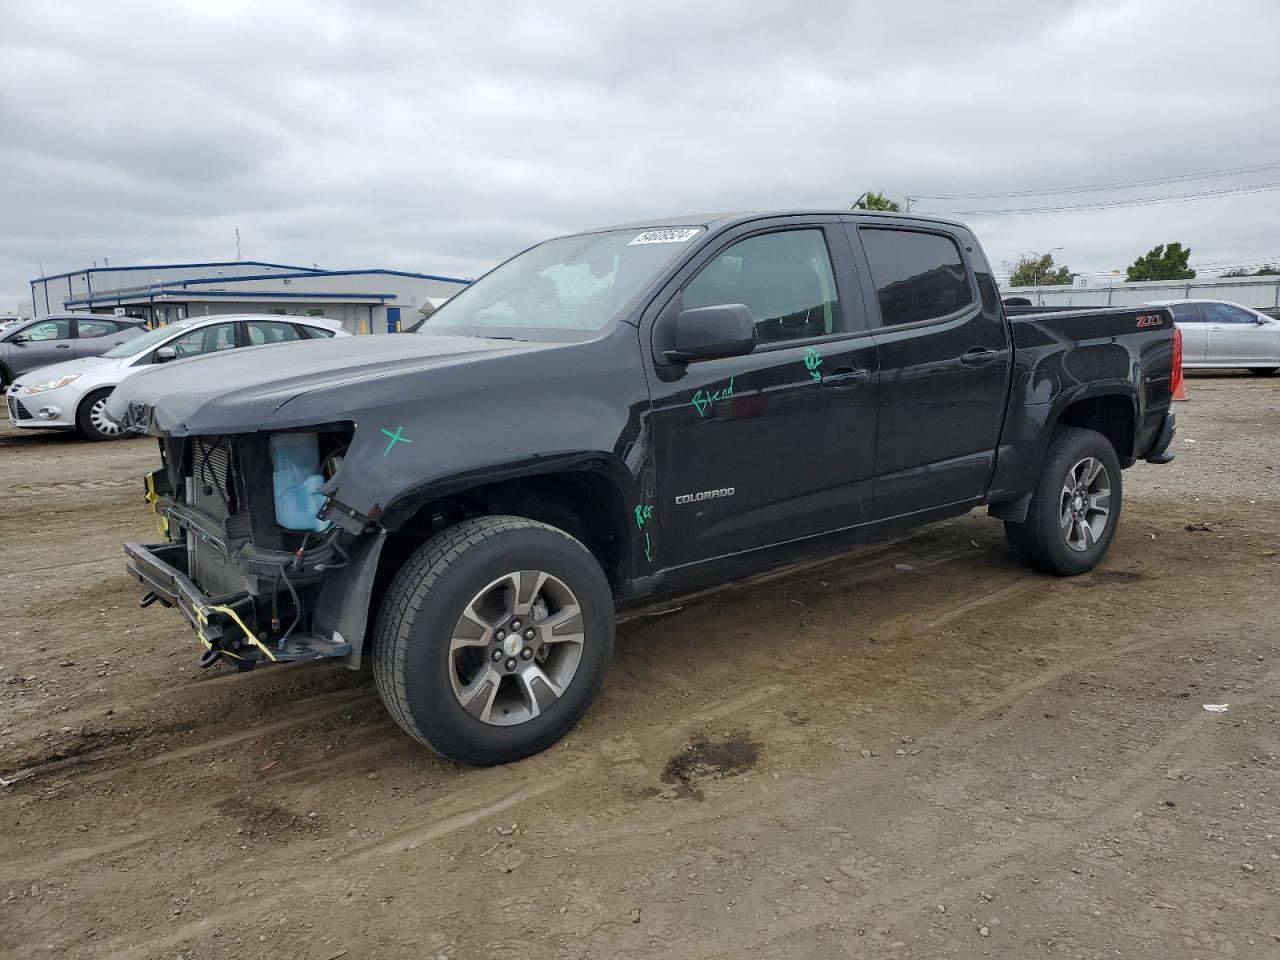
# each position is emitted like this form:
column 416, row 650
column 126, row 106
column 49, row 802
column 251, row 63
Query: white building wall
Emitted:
column 49, row 295
column 355, row 317
column 410, row 292
column 1260, row 293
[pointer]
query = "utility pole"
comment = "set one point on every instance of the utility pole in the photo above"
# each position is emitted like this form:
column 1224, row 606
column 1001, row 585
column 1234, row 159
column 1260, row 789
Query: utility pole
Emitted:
column 237, row 244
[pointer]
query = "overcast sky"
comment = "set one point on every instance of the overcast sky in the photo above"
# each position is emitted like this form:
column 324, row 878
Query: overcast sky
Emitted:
column 443, row 137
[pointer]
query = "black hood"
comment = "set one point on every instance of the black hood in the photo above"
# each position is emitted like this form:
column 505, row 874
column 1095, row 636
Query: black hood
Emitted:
column 238, row 391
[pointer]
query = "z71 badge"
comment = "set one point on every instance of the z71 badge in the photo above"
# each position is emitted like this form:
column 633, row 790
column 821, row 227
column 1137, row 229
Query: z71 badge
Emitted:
column 704, row 495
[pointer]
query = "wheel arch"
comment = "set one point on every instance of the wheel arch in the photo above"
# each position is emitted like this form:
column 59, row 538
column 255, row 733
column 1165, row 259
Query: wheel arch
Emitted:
column 1110, row 409
column 1110, row 413
column 109, row 387
column 590, row 503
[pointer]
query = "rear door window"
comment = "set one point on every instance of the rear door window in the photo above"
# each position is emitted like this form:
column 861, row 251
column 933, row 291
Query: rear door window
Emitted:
column 1226, row 313
column 918, row 276
column 271, row 331
column 1185, row 312
column 87, row 329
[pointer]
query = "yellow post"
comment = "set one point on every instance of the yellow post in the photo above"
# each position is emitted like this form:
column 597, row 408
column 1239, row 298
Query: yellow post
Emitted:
column 364, row 326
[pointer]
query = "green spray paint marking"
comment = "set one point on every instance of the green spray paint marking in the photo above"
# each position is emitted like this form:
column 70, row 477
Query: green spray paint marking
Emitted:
column 813, row 360
column 703, row 399
column 643, row 515
column 395, row 438
column 648, row 553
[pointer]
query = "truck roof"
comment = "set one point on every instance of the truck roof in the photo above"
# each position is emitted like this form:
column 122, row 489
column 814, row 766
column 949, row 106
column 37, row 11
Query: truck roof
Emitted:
column 731, row 218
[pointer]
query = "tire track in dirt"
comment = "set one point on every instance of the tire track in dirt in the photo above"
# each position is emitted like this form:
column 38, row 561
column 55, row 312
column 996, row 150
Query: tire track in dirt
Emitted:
column 134, row 752
column 1139, row 778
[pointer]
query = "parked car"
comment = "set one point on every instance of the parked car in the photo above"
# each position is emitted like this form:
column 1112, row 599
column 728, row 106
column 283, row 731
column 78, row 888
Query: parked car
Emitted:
column 60, row 336
column 72, row 395
column 619, row 417
column 1220, row 334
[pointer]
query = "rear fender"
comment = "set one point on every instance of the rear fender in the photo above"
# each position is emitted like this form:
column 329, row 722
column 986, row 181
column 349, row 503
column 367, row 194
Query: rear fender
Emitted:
column 1029, row 430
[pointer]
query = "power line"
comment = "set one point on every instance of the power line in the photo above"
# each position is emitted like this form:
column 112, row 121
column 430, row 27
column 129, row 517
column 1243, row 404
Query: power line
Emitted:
column 1116, row 204
column 1117, row 185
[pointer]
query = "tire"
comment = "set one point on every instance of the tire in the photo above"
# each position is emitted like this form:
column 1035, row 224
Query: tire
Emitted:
column 1044, row 541
column 430, row 656
column 1264, row 371
column 89, row 418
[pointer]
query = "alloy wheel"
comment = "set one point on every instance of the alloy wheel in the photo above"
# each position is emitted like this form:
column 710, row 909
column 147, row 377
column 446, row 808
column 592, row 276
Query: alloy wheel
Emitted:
column 516, row 648
column 1085, row 504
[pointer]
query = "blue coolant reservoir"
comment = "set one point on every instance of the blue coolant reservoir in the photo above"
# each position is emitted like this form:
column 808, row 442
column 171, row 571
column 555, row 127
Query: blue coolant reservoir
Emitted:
column 296, row 480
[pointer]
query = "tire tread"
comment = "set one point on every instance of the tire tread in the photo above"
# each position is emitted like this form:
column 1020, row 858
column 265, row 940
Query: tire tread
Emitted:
column 408, row 590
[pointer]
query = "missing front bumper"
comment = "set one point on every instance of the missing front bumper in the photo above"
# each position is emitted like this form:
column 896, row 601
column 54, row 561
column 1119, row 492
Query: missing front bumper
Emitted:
column 226, row 624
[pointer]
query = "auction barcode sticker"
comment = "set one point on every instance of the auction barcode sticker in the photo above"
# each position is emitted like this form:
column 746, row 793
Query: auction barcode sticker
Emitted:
column 666, row 236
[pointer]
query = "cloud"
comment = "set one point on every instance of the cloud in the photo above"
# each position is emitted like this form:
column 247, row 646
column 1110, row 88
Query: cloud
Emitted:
column 443, row 138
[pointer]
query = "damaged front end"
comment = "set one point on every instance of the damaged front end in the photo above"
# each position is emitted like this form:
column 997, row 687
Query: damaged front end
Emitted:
column 246, row 557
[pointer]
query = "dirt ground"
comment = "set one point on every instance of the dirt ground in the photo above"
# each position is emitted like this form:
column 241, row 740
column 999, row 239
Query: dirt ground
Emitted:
column 918, row 749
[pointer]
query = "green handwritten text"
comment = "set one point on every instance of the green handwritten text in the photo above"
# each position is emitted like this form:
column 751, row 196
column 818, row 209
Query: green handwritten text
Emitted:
column 813, row 360
column 643, row 515
column 704, row 399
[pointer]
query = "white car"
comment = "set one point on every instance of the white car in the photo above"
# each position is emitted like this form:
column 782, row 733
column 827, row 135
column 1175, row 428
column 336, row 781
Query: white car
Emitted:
column 1220, row 334
column 73, row 395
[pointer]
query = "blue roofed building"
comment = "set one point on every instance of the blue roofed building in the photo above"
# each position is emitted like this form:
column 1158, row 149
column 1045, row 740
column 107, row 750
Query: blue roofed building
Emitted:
column 365, row 301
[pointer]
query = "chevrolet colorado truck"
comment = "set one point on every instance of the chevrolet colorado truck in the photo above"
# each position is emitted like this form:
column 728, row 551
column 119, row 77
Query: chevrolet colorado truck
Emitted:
column 615, row 418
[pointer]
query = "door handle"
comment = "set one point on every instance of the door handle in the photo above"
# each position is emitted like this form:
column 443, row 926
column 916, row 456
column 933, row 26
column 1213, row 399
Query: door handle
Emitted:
column 978, row 356
column 1218, row 329
column 842, row 378
column 63, row 346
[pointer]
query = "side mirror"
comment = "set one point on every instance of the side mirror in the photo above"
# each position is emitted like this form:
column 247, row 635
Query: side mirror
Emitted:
column 19, row 338
column 165, row 354
column 1261, row 321
column 708, row 333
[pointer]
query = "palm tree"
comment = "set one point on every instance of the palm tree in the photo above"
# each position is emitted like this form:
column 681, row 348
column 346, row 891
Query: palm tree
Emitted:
column 871, row 200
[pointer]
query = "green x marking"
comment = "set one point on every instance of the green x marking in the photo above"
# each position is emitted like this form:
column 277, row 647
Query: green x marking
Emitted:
column 395, row 438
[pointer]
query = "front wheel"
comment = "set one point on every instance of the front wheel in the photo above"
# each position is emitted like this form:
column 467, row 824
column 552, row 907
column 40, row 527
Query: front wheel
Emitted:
column 92, row 417
column 493, row 639
column 1075, row 506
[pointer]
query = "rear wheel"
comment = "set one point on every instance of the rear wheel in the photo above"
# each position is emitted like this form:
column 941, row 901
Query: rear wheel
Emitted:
column 493, row 639
column 92, row 417
column 1074, row 508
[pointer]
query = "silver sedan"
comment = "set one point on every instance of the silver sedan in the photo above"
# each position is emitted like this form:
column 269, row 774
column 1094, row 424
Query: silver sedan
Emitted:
column 1220, row 334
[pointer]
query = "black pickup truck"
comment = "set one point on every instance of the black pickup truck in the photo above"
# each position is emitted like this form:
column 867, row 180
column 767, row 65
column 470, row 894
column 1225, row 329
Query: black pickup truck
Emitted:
column 617, row 417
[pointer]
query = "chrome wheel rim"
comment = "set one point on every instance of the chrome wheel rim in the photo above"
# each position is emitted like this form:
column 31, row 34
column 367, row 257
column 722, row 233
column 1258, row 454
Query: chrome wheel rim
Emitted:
column 101, row 422
column 516, row 648
column 1086, row 504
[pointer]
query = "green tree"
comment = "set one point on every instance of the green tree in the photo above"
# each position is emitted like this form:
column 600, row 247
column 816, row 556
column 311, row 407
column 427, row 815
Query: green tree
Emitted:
column 1266, row 271
column 1163, row 263
column 1032, row 269
column 877, row 201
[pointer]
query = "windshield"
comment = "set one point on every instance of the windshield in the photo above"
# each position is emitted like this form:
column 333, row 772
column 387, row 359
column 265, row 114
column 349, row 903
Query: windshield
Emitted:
column 563, row 288
column 144, row 342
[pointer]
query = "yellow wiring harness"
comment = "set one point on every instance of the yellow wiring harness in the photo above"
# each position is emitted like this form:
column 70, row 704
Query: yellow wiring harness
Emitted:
column 162, row 522
column 202, row 614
